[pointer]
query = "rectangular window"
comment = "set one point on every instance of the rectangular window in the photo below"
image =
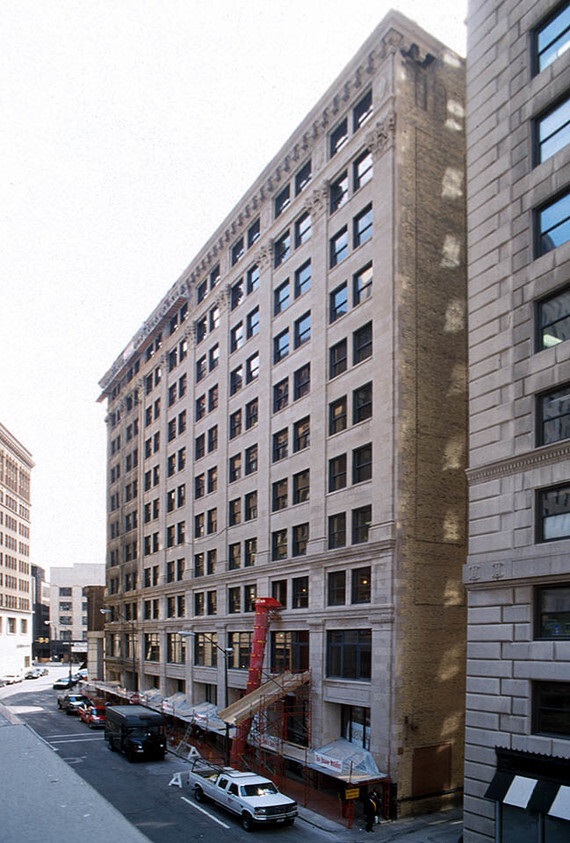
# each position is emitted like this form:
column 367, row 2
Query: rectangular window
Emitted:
column 361, row 519
column 362, row 285
column 338, row 302
column 280, row 395
column 234, row 600
column 279, row 592
column 300, row 540
column 234, row 556
column 303, row 329
column 205, row 649
column 282, row 201
column 235, row 424
column 199, row 603
column 362, row 463
column 302, row 434
column 337, row 473
column 250, row 506
column 253, row 233
column 338, row 137
column 362, row 343
column 303, row 177
column 290, row 651
column 237, row 337
column 251, row 459
column 236, row 380
column 337, row 530
column 280, row 445
column 552, row 39
column 251, row 413
column 279, row 545
column 252, row 323
column 252, row 279
column 302, row 381
column 551, row 708
column 361, row 588
column 279, row 495
column 553, row 225
column 552, row 612
column 250, row 552
column 362, row 403
column 238, row 251
column 211, row 602
column 281, row 298
column 152, row 647
column 249, row 598
column 362, row 170
column 234, row 512
column 212, row 479
column 338, row 359
column 349, row 654
column 338, row 247
column 337, row 416
column 301, row 486
column 553, row 319
column 336, row 591
column 300, row 593
column 362, row 227
column 252, row 368
column 303, row 279
column 234, row 472
column 282, row 249
column 240, row 643
column 552, row 131
column 338, row 192
column 553, row 514
column 553, row 416
column 281, row 346
column 236, row 294
column 303, row 229
column 362, row 111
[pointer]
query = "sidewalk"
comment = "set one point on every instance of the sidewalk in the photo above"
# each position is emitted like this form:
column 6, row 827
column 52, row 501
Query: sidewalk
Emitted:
column 444, row 827
column 44, row 799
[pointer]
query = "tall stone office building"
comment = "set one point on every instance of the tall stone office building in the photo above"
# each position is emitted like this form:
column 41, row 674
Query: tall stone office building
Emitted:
column 15, row 568
column 518, row 570
column 290, row 423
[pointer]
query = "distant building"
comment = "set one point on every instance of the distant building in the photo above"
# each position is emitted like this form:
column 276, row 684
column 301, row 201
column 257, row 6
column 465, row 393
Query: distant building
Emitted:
column 15, row 569
column 69, row 607
column 290, row 422
column 40, row 602
column 517, row 784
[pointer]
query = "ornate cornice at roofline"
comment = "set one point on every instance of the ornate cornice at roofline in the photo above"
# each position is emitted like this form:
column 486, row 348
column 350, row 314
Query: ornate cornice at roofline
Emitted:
column 544, row 456
column 12, row 444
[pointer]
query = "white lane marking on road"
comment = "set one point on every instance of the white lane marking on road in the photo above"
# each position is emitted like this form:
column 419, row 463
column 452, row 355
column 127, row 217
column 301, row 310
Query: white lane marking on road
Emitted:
column 211, row 816
column 74, row 740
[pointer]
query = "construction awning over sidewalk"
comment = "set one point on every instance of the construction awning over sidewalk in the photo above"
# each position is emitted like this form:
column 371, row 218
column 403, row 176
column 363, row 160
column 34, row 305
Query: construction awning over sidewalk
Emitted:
column 271, row 691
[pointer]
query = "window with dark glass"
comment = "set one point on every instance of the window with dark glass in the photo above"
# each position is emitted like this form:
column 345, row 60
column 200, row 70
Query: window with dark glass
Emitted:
column 279, row 545
column 279, row 495
column 202, row 290
column 236, row 379
column 240, row 643
column 300, row 593
column 237, row 337
column 199, row 603
column 289, row 650
column 552, row 131
column 251, row 413
column 300, row 539
column 250, row 506
column 212, row 438
column 249, row 598
column 338, row 192
column 253, row 233
column 252, row 321
column 235, row 424
column 338, row 358
column 553, row 225
column 214, row 357
column 361, row 519
column 337, row 530
column 553, row 415
column 336, row 590
column 355, row 725
column 361, row 588
column 252, row 279
column 552, row 38
column 282, row 200
column 251, row 459
column 199, row 447
column 362, row 169
column 280, row 445
column 362, row 463
column 302, row 381
column 362, row 285
column 234, row 556
column 279, row 592
column 552, row 612
column 236, row 294
column 303, row 279
column 234, row 509
column 252, row 368
column 362, row 227
column 349, row 653
column 362, row 343
column 302, row 434
column 238, row 251
column 215, row 276
column 234, row 600
column 282, row 248
column 362, row 403
column 338, row 247
column 301, row 486
column 303, row 229
column 553, row 513
column 337, row 416
column 281, row 346
column 362, row 110
column 303, row 177
column 338, row 137
column 551, row 708
column 281, row 297
column 211, row 602
column 553, row 319
column 337, row 473
column 250, row 552
column 280, row 395
column 338, row 302
column 302, row 329
column 234, row 472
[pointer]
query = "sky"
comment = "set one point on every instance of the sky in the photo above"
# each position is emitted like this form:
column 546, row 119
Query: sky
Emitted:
column 130, row 129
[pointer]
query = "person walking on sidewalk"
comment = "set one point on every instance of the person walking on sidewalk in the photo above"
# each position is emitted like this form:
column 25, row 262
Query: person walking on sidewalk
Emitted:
column 370, row 811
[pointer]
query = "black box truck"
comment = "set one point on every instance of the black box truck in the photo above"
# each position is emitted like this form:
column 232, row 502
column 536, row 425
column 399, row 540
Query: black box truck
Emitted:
column 136, row 731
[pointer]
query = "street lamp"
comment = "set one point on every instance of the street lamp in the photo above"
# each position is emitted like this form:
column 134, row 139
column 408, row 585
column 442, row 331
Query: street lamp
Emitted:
column 226, row 652
column 131, row 623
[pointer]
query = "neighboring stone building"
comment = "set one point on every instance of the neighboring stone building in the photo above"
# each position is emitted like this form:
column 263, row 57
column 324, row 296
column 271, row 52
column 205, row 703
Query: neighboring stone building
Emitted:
column 69, row 607
column 291, row 422
column 518, row 570
column 40, row 604
column 15, row 569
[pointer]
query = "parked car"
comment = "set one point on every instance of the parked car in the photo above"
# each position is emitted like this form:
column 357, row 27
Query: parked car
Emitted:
column 93, row 713
column 33, row 673
column 81, row 675
column 64, row 682
column 11, row 678
column 70, row 702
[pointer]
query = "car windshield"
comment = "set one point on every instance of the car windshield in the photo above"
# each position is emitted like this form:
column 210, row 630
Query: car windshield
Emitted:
column 261, row 789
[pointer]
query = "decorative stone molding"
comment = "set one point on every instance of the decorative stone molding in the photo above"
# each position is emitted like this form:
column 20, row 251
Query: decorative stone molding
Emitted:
column 317, row 201
column 551, row 454
column 381, row 137
column 263, row 255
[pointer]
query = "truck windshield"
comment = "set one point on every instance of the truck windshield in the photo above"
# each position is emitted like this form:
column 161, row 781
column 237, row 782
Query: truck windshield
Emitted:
column 143, row 731
column 262, row 789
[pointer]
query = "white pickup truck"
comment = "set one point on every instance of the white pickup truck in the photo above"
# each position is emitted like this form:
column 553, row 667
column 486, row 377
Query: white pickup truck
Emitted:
column 253, row 798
